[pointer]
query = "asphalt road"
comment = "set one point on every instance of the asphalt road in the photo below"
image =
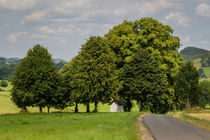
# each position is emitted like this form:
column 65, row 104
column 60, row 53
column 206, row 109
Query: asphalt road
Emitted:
column 165, row 127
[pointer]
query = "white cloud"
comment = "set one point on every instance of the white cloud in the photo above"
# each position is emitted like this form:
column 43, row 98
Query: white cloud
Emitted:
column 203, row 42
column 178, row 18
column 47, row 30
column 40, row 36
column 186, row 39
column 34, row 16
column 13, row 37
column 67, row 6
column 142, row 7
column 18, row 4
column 203, row 10
column 154, row 6
column 64, row 29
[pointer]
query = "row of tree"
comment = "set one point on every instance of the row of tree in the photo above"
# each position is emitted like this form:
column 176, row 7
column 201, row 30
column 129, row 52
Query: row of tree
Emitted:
column 134, row 61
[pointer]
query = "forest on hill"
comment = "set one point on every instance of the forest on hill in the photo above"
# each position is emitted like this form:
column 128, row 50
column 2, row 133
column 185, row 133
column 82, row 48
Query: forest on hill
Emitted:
column 9, row 65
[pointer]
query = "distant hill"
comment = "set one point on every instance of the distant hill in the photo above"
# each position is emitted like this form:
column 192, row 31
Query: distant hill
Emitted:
column 8, row 66
column 192, row 53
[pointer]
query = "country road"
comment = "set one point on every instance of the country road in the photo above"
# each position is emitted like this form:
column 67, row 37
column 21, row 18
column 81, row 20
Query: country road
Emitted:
column 165, row 127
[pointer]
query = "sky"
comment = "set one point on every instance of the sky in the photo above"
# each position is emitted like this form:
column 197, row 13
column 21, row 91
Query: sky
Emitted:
column 63, row 26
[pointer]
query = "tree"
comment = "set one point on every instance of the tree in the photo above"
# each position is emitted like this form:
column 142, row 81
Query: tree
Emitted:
column 186, row 86
column 36, row 80
column 125, row 40
column 4, row 83
column 146, row 82
column 205, row 93
column 95, row 78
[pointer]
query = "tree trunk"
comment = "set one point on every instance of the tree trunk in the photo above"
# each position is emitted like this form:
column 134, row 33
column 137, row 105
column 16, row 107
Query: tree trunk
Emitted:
column 40, row 109
column 76, row 108
column 24, row 109
column 188, row 100
column 88, row 108
column 96, row 106
column 125, row 108
column 140, row 105
column 48, row 109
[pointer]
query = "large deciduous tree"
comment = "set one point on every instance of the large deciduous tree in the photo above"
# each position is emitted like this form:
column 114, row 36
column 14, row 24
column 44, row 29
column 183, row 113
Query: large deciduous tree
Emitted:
column 95, row 78
column 146, row 82
column 36, row 80
column 125, row 39
column 186, row 86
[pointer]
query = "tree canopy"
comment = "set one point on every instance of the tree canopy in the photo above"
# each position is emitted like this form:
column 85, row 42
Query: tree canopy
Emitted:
column 92, row 74
column 36, row 80
column 146, row 82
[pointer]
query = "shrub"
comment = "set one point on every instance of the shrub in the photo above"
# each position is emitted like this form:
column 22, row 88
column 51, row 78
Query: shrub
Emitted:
column 4, row 83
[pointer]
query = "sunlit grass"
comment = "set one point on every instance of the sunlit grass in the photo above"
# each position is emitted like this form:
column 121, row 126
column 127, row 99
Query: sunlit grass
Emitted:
column 7, row 106
column 69, row 126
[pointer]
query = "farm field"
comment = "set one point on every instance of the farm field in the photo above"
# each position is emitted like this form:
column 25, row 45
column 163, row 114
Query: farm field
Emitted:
column 197, row 119
column 71, row 126
column 205, row 116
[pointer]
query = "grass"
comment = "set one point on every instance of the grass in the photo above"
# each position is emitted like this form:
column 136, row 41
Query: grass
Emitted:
column 9, row 87
column 69, row 126
column 196, row 121
column 197, row 63
column 7, row 106
column 206, row 70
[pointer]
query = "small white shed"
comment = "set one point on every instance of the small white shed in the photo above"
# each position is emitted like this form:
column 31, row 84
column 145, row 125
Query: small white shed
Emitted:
column 116, row 106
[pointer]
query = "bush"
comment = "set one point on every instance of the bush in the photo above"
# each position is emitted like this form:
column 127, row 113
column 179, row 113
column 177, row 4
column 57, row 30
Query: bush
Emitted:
column 4, row 83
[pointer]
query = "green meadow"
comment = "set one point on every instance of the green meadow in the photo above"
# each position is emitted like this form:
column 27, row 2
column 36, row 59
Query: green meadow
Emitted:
column 69, row 126
column 64, row 125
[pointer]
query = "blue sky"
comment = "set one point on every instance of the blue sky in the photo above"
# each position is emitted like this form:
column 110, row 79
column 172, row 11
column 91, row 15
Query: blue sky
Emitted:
column 63, row 25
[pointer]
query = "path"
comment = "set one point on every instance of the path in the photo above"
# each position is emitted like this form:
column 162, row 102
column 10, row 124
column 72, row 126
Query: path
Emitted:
column 165, row 127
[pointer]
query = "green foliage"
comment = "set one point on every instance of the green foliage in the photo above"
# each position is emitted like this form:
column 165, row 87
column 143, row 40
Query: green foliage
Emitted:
column 36, row 80
column 92, row 74
column 205, row 92
column 192, row 53
column 145, row 81
column 60, row 65
column 3, row 83
column 205, row 60
column 186, row 86
column 147, row 33
column 7, row 69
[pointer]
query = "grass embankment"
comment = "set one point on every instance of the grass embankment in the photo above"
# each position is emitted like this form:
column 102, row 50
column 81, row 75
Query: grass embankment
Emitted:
column 69, row 126
column 197, row 119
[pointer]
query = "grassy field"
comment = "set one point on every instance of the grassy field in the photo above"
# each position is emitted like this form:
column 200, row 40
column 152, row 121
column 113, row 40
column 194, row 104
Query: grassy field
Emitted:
column 197, row 119
column 197, row 63
column 69, row 126
column 7, row 106
column 206, row 70
column 66, row 125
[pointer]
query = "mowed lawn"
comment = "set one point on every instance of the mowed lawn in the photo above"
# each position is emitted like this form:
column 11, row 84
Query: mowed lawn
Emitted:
column 69, row 126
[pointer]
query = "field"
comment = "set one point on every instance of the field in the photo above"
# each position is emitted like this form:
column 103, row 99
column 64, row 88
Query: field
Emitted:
column 206, row 70
column 63, row 126
column 201, row 119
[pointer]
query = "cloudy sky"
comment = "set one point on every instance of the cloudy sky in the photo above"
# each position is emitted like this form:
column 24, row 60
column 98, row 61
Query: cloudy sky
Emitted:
column 63, row 25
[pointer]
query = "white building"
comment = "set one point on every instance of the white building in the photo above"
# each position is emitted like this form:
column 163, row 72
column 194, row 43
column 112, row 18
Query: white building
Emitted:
column 116, row 106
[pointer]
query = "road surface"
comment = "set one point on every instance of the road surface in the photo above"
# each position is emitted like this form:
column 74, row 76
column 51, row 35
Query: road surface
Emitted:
column 165, row 127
